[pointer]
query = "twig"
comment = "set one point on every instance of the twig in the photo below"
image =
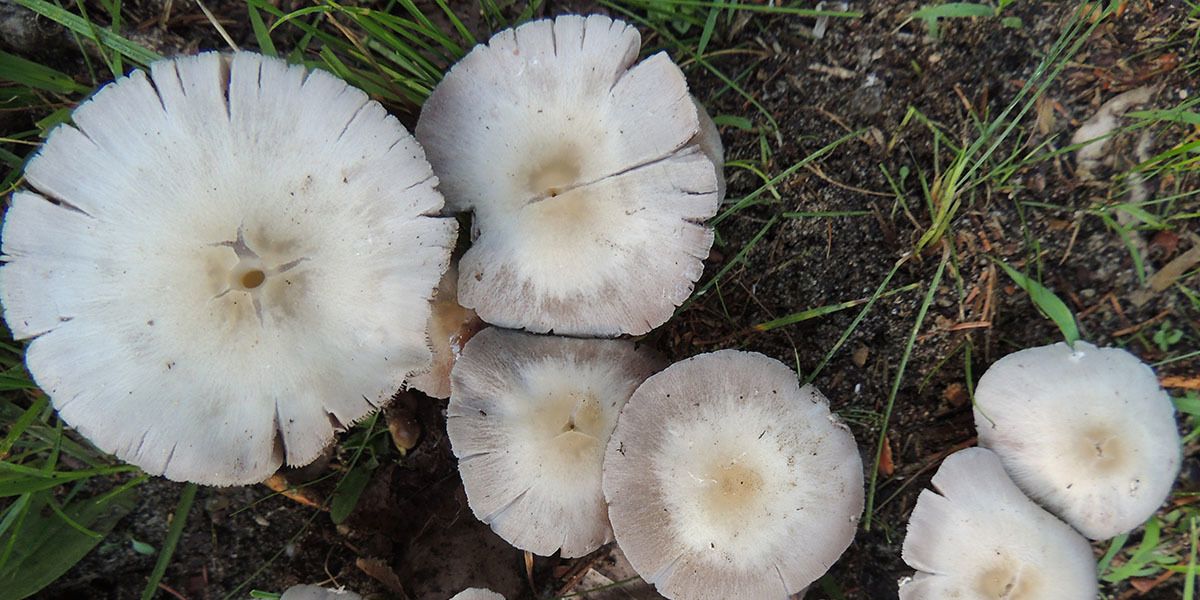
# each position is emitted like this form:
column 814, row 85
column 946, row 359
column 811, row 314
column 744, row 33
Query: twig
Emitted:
column 220, row 28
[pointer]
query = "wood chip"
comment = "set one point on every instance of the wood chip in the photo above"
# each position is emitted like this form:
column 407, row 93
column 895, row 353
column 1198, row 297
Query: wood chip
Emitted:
column 381, row 572
column 1172, row 271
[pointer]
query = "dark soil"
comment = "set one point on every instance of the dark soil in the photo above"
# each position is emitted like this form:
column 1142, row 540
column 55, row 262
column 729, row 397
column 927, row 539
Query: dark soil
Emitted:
column 412, row 529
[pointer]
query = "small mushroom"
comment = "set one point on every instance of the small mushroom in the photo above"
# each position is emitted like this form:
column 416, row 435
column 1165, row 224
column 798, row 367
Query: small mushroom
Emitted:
column 1087, row 432
column 727, row 479
column 314, row 592
column 979, row 537
column 450, row 327
column 585, row 175
column 528, row 419
column 477, row 594
column 222, row 263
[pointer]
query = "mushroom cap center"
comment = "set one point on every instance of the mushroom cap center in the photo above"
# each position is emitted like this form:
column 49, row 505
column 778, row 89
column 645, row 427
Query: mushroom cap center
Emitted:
column 555, row 173
column 1008, row 582
column 1102, row 448
column 261, row 269
column 575, row 422
column 730, row 487
column 247, row 275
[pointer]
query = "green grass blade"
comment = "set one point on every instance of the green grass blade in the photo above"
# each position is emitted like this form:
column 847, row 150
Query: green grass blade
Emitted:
column 749, row 199
column 262, row 34
column 891, row 401
column 106, row 38
column 349, row 490
column 735, row 261
column 1049, row 304
column 879, row 291
column 456, row 22
column 813, row 313
column 1189, row 582
column 22, row 423
column 28, row 73
column 50, row 544
column 178, row 522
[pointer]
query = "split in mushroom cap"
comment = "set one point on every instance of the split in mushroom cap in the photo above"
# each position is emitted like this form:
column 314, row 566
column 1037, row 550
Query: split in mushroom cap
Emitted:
column 980, row 538
column 223, row 263
column 726, row 479
column 587, row 189
column 1088, row 433
column 477, row 594
column 529, row 418
column 450, row 327
column 313, row 592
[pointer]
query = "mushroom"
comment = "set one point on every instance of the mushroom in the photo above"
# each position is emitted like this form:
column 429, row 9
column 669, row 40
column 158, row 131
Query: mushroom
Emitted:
column 223, row 263
column 450, row 327
column 727, row 479
column 313, row 592
column 1087, row 432
column 980, row 537
column 708, row 139
column 477, row 594
column 528, row 419
column 588, row 191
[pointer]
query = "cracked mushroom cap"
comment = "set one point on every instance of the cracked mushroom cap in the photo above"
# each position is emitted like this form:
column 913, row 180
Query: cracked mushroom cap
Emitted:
column 584, row 171
column 727, row 479
column 477, row 594
column 1087, row 432
column 979, row 537
column 222, row 263
column 528, row 419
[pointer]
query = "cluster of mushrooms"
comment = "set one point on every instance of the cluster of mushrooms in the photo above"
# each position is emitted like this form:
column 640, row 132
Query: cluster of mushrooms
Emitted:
column 1085, row 432
column 224, row 262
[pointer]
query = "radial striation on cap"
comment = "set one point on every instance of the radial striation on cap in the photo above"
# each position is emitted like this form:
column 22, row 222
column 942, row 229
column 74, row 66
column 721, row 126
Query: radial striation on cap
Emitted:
column 1087, row 432
column 727, row 479
column 585, row 173
column 528, row 419
column 222, row 263
column 979, row 537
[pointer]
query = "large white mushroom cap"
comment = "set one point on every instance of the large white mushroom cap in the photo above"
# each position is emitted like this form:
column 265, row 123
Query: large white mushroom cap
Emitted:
column 979, row 538
column 726, row 479
column 587, row 188
column 222, row 263
column 1087, row 432
column 529, row 418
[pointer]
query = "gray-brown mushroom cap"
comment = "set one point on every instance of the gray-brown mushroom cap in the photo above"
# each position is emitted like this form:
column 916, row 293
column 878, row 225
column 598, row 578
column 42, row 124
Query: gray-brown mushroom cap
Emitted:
column 528, row 419
column 727, row 479
column 979, row 537
column 1087, row 432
